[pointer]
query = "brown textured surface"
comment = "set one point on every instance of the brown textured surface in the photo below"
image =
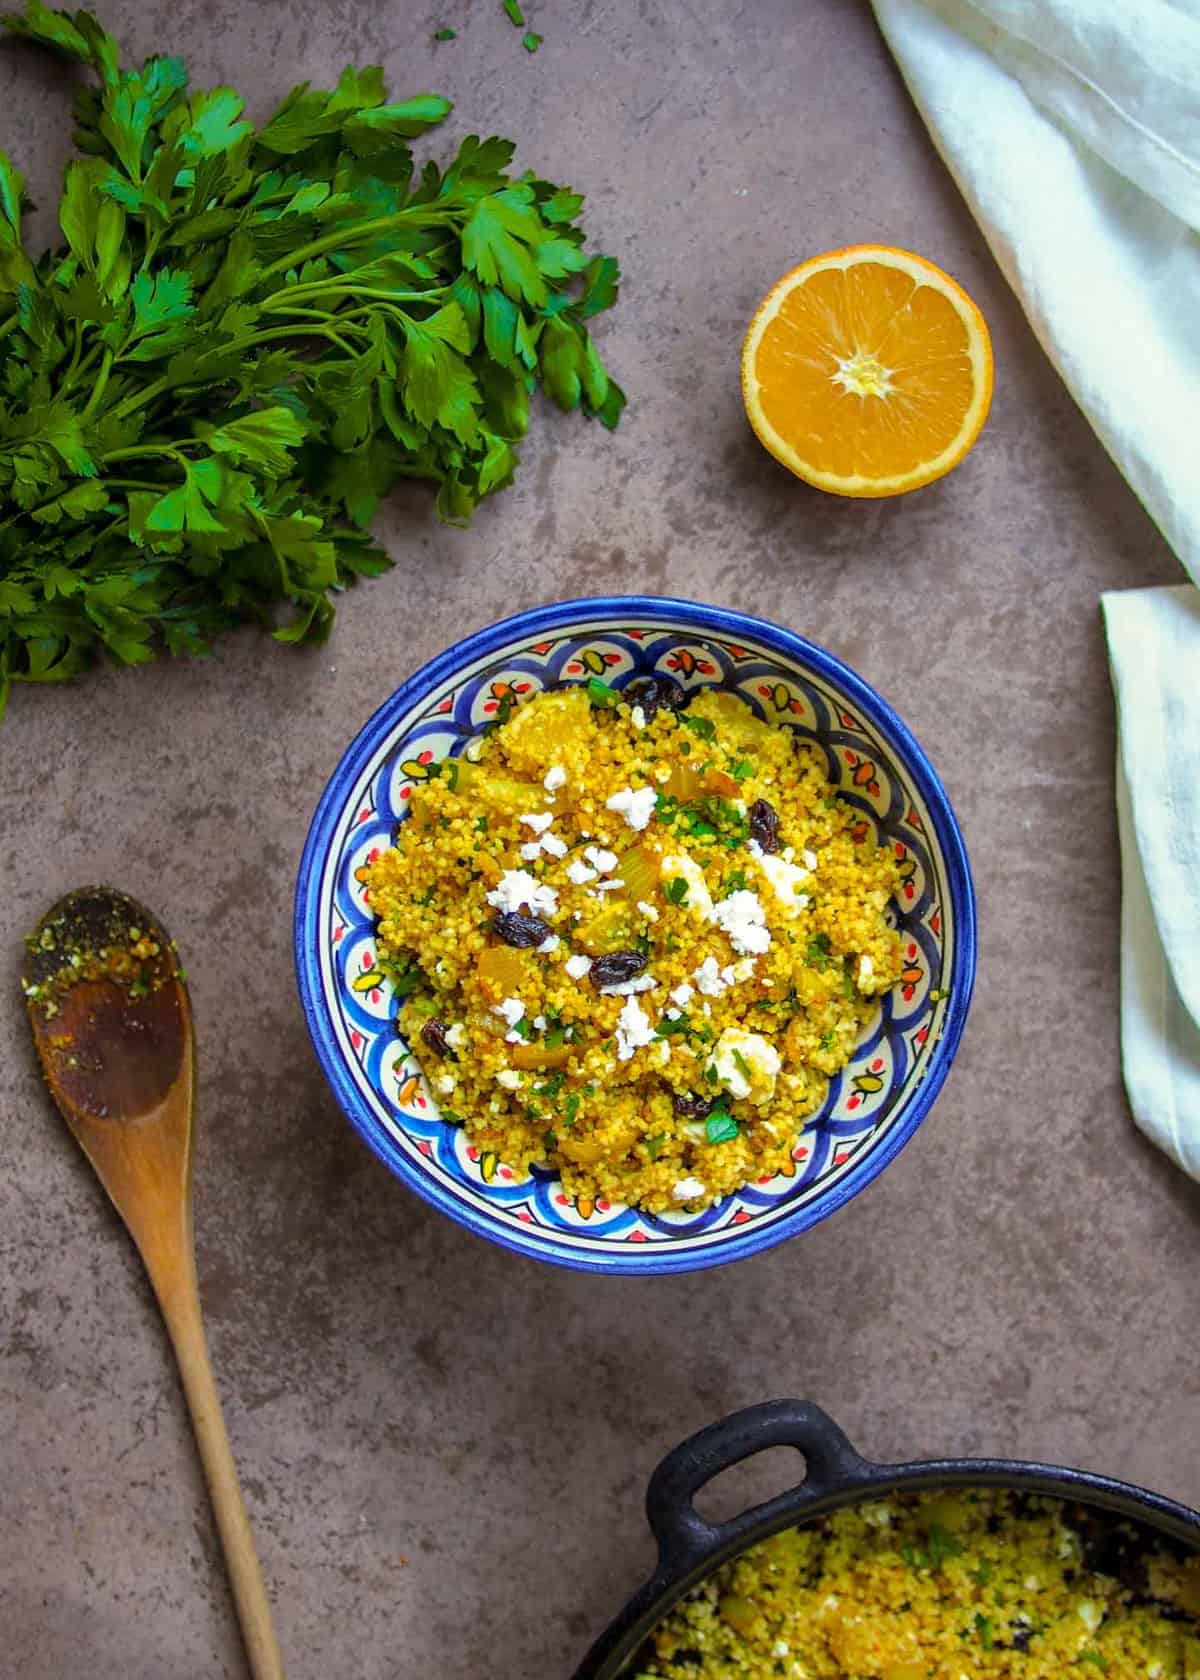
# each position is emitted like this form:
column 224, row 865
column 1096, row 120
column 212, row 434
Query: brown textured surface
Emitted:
column 1022, row 1280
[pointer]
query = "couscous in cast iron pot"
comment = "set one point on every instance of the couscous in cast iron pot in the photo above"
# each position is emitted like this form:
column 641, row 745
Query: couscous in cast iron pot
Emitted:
column 689, row 1547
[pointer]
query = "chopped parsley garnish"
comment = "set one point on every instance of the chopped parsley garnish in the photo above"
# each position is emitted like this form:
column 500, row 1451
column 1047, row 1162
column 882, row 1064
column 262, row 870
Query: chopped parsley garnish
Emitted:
column 942, row 1545
column 735, row 881
column 405, row 979
column 742, row 770
column 481, row 825
column 743, row 1066
column 827, row 1041
column 571, row 1108
column 816, row 954
column 676, row 890
column 712, row 1076
column 549, row 1141
column 532, row 42
column 654, row 1145
column 672, row 1029
column 525, row 1027
column 555, row 1037
column 428, row 897
column 984, row 1572
column 720, row 1127
column 848, row 985
column 702, row 726
column 666, row 807
column 450, row 1116
column 445, row 34
column 515, row 15
column 600, row 694
column 983, row 1627
column 1095, row 1659
column 551, row 1087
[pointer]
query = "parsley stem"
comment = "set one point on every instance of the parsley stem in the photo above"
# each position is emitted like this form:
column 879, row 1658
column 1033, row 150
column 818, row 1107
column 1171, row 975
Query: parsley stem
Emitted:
column 146, row 451
column 98, row 387
column 354, row 233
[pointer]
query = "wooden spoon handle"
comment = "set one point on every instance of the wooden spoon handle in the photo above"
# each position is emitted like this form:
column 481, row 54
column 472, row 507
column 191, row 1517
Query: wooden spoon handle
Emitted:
column 175, row 1285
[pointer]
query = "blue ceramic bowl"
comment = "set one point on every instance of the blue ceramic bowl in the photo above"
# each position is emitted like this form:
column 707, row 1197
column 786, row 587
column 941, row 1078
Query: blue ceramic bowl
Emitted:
column 872, row 1108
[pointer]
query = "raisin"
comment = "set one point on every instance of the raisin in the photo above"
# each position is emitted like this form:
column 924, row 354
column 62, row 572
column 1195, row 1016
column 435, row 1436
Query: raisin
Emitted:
column 764, row 825
column 521, row 931
column 1022, row 1634
column 691, row 1107
column 433, row 1033
column 617, row 967
column 652, row 693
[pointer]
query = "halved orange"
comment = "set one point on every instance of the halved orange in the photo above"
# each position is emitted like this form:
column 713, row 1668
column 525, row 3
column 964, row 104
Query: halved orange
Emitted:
column 867, row 371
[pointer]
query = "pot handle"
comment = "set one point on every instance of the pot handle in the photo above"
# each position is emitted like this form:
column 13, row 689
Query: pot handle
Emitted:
column 685, row 1537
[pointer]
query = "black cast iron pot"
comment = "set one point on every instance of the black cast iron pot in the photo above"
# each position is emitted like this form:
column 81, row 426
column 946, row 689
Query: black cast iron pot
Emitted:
column 689, row 1548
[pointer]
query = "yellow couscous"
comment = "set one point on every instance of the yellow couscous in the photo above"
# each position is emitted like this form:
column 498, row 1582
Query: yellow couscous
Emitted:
column 635, row 937
column 973, row 1585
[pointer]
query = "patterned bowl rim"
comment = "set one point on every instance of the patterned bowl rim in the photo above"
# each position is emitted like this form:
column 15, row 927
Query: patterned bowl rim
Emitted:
column 558, row 618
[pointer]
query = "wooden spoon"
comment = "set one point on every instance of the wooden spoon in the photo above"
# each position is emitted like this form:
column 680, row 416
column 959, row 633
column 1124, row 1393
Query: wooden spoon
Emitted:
column 113, row 1027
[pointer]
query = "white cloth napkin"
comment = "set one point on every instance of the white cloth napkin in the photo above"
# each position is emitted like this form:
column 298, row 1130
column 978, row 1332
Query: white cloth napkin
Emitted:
column 1072, row 128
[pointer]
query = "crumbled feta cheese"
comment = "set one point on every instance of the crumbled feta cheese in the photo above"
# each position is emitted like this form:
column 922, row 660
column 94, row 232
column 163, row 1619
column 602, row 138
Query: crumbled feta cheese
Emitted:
column 552, row 844
column 741, row 917
column 626, row 988
column 742, row 970
column 635, row 805
column 663, row 773
column 647, row 910
column 633, row 1029
column 550, row 943
column 637, row 717
column 538, row 821
column 672, row 1014
column 609, row 886
column 865, row 970
column 683, row 994
column 1091, row 1614
column 727, row 974
column 810, row 859
column 708, row 978
column 781, row 1648
column 531, row 850
column 579, row 872
column 554, row 778
column 577, row 966
column 509, row 1078
column 517, row 887
column 688, row 1190
column 511, row 1009
column 539, row 1022
column 474, row 751
column 746, row 1064
column 786, row 881
column 663, row 1051
column 684, row 868
column 445, row 1083
column 601, row 860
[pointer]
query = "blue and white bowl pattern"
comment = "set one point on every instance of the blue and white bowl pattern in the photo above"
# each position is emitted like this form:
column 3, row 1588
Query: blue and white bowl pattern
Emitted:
column 871, row 1108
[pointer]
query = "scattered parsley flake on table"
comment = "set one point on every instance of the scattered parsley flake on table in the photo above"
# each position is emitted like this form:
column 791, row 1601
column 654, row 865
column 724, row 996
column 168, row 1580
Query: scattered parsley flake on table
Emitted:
column 532, row 42
column 445, row 35
column 247, row 340
column 515, row 15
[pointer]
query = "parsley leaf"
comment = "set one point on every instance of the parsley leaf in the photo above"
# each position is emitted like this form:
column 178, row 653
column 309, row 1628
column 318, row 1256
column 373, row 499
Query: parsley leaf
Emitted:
column 676, row 890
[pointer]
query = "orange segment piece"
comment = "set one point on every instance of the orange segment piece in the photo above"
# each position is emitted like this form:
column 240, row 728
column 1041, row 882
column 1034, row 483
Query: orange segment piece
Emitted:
column 867, row 371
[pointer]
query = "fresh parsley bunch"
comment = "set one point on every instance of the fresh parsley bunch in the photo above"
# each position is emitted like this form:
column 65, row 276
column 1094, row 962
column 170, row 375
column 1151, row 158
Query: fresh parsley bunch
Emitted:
column 247, row 340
